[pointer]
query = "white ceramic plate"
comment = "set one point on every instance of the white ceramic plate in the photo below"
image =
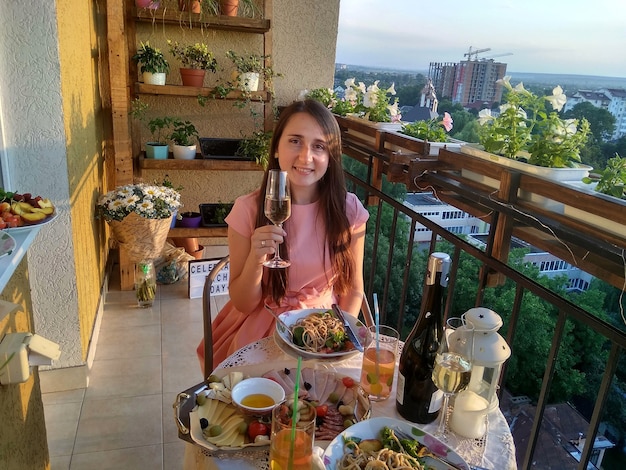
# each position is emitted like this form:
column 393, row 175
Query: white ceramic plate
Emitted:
column 45, row 221
column 370, row 428
column 7, row 243
column 291, row 317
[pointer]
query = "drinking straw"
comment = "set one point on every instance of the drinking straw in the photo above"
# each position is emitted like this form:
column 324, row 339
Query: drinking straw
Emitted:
column 376, row 319
column 294, row 414
column 377, row 328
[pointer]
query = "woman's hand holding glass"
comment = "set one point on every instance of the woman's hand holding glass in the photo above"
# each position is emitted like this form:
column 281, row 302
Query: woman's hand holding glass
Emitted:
column 453, row 365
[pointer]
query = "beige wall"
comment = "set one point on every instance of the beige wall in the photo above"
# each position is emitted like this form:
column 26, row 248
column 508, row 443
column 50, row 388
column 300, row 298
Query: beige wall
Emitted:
column 303, row 34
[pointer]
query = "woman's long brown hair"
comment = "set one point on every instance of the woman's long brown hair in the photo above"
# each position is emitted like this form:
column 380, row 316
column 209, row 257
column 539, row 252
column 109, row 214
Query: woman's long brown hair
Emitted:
column 332, row 202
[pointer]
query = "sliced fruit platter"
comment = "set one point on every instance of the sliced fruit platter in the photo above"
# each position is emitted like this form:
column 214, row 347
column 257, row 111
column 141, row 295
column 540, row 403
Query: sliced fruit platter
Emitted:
column 18, row 210
column 217, row 424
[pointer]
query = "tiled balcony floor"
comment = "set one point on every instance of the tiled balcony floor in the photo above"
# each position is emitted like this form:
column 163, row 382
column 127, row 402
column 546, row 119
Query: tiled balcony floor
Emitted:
column 144, row 357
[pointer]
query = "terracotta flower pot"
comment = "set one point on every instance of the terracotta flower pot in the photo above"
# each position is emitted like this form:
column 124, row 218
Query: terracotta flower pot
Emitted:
column 192, row 77
column 229, row 7
column 190, row 5
column 190, row 244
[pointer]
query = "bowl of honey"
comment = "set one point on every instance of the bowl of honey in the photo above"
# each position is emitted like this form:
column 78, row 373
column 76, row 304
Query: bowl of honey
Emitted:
column 257, row 395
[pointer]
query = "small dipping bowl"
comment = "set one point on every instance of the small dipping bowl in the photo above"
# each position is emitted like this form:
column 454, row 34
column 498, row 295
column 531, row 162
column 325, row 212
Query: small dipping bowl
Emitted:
column 250, row 395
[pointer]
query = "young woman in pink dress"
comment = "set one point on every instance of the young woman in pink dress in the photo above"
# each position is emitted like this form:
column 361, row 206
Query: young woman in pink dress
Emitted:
column 324, row 237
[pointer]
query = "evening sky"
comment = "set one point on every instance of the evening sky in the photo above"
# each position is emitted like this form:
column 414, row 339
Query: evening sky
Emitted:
column 579, row 37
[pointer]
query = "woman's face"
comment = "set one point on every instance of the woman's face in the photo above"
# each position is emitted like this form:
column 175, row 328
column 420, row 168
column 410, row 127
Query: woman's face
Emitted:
column 303, row 153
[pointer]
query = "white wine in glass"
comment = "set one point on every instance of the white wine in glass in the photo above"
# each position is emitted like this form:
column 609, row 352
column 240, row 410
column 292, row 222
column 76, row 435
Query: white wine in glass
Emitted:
column 277, row 209
column 453, row 365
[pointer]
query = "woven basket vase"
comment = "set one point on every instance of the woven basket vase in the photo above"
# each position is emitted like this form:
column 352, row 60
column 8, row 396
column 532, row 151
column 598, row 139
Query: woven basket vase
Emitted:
column 143, row 239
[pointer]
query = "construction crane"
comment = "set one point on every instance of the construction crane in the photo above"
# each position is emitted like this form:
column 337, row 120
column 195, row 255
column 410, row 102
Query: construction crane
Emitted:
column 497, row 55
column 475, row 53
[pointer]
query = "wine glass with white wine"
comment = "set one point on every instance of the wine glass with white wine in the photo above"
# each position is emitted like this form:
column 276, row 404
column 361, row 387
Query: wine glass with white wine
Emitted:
column 277, row 209
column 453, row 365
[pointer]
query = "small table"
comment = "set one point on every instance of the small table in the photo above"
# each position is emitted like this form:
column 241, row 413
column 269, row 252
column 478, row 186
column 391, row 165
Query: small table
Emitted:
column 496, row 450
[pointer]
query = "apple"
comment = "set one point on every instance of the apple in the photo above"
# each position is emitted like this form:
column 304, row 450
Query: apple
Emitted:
column 5, row 206
column 33, row 216
column 45, row 203
column 44, row 210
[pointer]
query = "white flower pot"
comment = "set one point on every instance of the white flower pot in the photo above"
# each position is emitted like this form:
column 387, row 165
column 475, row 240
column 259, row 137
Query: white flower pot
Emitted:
column 154, row 78
column 185, row 152
column 553, row 174
column 249, row 81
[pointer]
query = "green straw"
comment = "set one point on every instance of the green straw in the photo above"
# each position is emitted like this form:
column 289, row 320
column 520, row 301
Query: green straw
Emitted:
column 295, row 412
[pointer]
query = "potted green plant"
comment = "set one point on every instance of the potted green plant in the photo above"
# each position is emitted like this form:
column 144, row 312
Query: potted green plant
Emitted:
column 248, row 70
column 525, row 129
column 182, row 136
column 256, row 147
column 154, row 66
column 214, row 214
column 157, row 147
column 433, row 131
column 611, row 180
column 196, row 60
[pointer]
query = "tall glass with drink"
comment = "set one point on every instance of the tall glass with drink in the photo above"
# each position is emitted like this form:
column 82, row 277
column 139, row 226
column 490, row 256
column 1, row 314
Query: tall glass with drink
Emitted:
column 379, row 362
column 292, row 448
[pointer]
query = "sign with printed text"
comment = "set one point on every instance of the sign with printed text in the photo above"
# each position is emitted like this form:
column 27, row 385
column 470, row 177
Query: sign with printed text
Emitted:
column 198, row 272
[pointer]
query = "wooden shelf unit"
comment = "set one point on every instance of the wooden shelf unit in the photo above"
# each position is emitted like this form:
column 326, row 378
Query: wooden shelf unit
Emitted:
column 179, row 232
column 201, row 20
column 194, row 92
column 122, row 18
column 198, row 163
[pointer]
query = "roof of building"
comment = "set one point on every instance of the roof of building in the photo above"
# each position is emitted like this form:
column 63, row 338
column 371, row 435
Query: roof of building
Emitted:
column 617, row 92
column 422, row 199
column 559, row 434
column 593, row 95
column 418, row 113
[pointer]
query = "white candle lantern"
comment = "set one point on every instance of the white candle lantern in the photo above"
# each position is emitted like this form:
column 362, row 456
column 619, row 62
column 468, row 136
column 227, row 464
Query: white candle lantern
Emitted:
column 490, row 352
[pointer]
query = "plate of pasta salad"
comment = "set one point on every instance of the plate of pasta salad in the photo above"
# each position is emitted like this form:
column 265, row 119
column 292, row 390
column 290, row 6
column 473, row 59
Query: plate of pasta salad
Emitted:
column 318, row 334
column 395, row 443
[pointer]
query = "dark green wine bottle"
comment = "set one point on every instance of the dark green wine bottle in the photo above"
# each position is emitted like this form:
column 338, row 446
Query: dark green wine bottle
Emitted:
column 417, row 398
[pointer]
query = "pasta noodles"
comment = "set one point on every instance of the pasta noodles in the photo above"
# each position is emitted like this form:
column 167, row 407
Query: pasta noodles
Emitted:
column 355, row 458
column 319, row 332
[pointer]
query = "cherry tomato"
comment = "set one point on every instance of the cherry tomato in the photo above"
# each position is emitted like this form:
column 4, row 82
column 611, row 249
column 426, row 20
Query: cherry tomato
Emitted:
column 348, row 382
column 256, row 428
column 321, row 410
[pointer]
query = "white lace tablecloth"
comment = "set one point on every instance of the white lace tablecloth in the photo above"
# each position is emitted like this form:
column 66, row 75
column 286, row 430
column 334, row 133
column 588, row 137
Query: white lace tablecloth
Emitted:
column 495, row 451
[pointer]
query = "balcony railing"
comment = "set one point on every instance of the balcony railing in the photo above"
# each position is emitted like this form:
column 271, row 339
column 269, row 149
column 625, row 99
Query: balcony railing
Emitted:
column 391, row 269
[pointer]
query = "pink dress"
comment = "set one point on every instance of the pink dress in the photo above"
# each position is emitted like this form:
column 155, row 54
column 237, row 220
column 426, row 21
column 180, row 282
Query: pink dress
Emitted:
column 310, row 275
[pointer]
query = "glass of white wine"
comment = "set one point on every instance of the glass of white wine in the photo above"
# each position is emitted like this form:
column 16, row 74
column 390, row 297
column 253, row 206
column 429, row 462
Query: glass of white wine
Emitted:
column 277, row 209
column 453, row 365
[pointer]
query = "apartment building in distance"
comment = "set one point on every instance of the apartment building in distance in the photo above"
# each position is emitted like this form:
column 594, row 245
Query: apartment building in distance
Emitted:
column 459, row 222
column 611, row 99
column 468, row 82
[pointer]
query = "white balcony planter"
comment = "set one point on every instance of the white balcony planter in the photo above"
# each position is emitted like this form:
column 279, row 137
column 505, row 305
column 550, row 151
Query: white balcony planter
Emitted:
column 154, row 78
column 553, row 174
column 185, row 152
column 612, row 225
